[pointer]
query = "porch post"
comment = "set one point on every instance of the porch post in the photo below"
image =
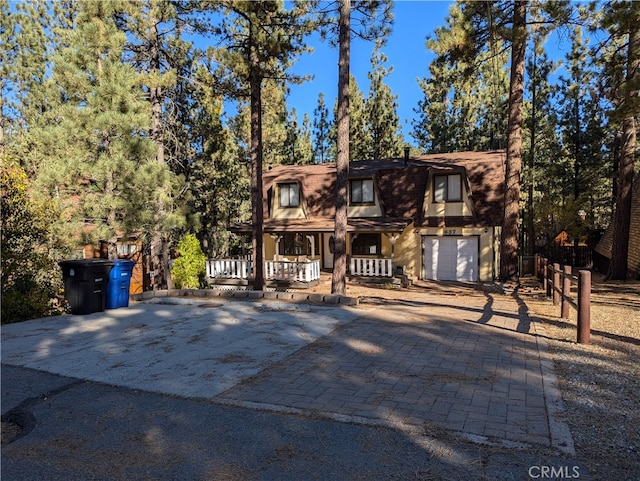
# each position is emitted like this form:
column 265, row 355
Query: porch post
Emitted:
column 393, row 237
column 312, row 241
column 351, row 240
column 276, row 239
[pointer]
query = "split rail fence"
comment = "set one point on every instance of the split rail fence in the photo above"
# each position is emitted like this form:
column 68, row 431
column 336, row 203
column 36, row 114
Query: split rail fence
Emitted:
column 557, row 281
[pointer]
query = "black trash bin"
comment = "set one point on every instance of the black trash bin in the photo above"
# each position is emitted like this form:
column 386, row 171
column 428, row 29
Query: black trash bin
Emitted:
column 119, row 281
column 85, row 284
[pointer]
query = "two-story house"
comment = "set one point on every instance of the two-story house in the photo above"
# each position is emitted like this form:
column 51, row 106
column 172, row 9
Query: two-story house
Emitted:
column 435, row 216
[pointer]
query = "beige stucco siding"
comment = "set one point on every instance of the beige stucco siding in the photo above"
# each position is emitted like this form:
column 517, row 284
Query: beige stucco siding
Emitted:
column 269, row 247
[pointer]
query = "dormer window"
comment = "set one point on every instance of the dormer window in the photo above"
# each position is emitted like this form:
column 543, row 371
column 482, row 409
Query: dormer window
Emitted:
column 289, row 194
column 447, row 188
column 362, row 191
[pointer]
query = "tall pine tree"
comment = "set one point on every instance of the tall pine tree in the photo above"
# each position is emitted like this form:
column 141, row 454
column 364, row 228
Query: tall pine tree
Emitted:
column 383, row 123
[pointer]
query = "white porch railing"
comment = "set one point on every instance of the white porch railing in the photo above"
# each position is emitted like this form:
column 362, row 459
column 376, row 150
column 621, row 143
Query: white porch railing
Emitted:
column 273, row 270
column 228, row 268
column 292, row 271
column 363, row 266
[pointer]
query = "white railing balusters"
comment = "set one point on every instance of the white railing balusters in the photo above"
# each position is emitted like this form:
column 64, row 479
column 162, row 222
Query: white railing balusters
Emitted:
column 366, row 266
column 307, row 271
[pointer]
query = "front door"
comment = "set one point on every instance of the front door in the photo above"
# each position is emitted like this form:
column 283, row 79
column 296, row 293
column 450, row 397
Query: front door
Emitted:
column 327, row 250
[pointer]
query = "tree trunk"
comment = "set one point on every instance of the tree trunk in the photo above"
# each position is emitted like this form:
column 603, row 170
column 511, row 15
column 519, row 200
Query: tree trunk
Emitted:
column 338, row 279
column 159, row 244
column 622, row 213
column 257, row 209
column 534, row 127
column 513, row 168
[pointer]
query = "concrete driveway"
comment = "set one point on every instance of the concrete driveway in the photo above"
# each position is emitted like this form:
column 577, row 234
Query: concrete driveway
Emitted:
column 187, row 347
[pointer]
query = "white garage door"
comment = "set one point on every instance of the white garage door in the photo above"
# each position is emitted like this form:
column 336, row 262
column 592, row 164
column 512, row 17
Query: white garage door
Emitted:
column 451, row 258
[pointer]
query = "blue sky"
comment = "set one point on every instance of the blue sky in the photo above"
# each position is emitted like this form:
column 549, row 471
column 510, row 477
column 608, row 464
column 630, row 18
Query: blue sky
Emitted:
column 405, row 49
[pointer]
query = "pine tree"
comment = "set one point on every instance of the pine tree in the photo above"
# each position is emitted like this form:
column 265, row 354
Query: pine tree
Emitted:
column 94, row 161
column 305, row 146
column 359, row 135
column 218, row 173
column 541, row 146
column 274, row 124
column 154, row 50
column 261, row 38
column 322, row 127
column 513, row 165
column 298, row 145
column 381, row 107
column 26, row 45
column 374, row 19
column 465, row 96
column 581, row 120
column 622, row 20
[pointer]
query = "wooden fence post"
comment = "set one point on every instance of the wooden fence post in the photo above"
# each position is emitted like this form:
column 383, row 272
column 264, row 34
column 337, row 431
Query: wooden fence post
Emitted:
column 545, row 275
column 566, row 292
column 584, row 307
column 555, row 285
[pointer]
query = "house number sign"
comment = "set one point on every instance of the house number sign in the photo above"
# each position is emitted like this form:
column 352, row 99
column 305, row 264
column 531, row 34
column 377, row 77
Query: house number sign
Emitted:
column 451, row 232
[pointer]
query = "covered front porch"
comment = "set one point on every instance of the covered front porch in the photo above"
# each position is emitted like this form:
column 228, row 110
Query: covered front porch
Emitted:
column 297, row 250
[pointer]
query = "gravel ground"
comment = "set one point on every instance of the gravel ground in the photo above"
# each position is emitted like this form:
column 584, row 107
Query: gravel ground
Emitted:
column 600, row 383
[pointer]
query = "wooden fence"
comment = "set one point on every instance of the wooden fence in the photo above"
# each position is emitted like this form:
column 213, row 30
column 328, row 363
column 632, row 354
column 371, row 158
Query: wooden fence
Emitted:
column 557, row 281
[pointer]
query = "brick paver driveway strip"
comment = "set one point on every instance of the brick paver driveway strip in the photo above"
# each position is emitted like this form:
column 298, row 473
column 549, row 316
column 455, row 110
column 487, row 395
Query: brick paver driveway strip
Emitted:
column 466, row 364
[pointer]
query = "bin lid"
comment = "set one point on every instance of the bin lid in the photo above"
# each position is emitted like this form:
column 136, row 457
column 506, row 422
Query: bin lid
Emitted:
column 86, row 263
column 123, row 262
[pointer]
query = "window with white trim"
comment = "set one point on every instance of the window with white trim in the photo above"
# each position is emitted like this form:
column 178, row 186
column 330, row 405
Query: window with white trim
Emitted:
column 447, row 188
column 289, row 194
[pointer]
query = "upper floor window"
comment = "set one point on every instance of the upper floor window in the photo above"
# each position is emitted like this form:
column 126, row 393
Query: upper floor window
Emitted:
column 289, row 194
column 447, row 188
column 362, row 191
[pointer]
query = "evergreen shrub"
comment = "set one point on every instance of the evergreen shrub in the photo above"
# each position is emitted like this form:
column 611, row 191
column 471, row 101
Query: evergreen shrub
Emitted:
column 188, row 270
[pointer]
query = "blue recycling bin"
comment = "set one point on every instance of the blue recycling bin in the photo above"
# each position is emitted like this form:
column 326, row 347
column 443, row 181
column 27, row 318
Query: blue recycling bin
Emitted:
column 118, row 286
column 85, row 284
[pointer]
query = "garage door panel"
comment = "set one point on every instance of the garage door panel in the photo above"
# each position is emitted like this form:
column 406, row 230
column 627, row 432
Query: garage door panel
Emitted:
column 451, row 258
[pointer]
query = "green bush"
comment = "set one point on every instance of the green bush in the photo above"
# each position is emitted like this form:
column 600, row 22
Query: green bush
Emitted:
column 30, row 278
column 188, row 270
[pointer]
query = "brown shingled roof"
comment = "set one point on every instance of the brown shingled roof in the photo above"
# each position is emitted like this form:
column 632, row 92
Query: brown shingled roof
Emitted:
column 401, row 187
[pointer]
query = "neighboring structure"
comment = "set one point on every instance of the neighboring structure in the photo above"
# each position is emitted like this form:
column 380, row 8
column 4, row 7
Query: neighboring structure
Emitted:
column 130, row 249
column 562, row 249
column 602, row 255
column 436, row 216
